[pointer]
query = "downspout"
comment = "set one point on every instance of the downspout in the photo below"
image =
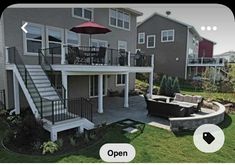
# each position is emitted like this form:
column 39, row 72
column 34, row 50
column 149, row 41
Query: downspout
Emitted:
column 186, row 61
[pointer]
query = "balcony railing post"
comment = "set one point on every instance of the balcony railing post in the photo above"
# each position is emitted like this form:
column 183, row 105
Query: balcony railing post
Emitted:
column 41, row 107
column 152, row 60
column 52, row 55
column 25, row 76
column 129, row 58
column 7, row 54
column 63, row 53
column 53, row 113
column 202, row 60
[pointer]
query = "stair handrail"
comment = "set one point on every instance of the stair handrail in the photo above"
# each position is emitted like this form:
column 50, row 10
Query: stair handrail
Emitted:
column 40, row 55
column 18, row 61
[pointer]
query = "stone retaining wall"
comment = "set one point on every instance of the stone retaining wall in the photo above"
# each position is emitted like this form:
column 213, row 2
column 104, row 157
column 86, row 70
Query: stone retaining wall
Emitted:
column 191, row 123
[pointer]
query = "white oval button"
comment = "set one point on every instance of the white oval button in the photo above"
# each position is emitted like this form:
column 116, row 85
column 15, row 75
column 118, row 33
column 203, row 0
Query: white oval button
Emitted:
column 117, row 152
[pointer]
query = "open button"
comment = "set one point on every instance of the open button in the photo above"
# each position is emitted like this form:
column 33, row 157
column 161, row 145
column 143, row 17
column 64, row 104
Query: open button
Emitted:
column 117, row 152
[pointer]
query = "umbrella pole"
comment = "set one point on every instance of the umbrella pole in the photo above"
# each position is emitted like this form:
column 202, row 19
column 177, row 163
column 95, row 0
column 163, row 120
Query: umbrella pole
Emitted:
column 90, row 51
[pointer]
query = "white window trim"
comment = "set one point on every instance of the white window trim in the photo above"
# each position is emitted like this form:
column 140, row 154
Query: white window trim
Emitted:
column 92, row 14
column 119, row 43
column 105, row 88
column 118, row 85
column 173, row 38
column 117, row 20
column 139, row 38
column 25, row 42
column 148, row 36
column 62, row 37
column 66, row 39
column 98, row 40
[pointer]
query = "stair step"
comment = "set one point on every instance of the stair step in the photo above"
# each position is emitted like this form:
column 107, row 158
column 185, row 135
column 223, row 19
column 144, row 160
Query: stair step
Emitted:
column 49, row 89
column 41, row 77
column 33, row 66
column 52, row 97
column 38, row 85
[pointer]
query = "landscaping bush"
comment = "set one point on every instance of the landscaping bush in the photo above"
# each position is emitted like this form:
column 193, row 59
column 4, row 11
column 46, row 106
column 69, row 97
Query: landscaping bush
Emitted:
column 225, row 86
column 49, row 147
column 26, row 131
column 176, row 86
column 169, row 90
column 168, row 87
column 162, row 90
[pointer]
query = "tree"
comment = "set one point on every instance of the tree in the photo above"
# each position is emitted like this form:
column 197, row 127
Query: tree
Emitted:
column 176, row 86
column 162, row 90
column 169, row 91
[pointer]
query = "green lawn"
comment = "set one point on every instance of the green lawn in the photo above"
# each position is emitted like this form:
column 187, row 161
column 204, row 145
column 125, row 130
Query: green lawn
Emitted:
column 153, row 145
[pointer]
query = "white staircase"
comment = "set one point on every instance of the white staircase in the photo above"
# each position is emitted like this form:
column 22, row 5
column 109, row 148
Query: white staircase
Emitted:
column 40, row 94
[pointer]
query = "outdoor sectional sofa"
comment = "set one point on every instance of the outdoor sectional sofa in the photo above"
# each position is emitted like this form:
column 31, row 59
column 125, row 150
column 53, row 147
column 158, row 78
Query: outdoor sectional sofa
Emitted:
column 162, row 109
column 195, row 101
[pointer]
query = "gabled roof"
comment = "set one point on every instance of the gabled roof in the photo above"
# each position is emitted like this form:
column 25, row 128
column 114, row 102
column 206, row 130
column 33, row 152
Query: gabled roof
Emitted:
column 136, row 12
column 174, row 20
column 209, row 40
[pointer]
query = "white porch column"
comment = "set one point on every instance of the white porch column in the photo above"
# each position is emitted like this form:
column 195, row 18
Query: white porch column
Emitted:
column 16, row 94
column 151, row 84
column 100, row 93
column 63, row 54
column 65, row 83
column 126, row 94
column 129, row 59
column 6, row 55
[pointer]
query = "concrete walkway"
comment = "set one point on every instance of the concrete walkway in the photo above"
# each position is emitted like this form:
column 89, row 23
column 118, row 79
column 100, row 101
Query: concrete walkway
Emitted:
column 114, row 111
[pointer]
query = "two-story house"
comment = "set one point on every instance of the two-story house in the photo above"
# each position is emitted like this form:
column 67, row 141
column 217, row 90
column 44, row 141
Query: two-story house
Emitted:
column 175, row 45
column 37, row 70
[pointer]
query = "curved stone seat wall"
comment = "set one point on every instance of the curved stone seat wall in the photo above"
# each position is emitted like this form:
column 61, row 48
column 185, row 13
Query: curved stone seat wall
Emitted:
column 191, row 123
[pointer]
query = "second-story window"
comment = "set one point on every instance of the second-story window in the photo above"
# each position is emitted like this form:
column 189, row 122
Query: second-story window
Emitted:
column 33, row 39
column 119, row 19
column 54, row 39
column 72, row 38
column 141, row 38
column 151, row 41
column 167, row 35
column 84, row 13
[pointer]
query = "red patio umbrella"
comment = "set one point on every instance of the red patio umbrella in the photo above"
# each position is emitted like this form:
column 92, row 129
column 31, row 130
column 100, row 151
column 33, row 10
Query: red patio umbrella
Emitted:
column 90, row 28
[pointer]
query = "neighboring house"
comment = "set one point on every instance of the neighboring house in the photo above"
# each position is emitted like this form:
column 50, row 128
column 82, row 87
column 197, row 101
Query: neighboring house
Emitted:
column 173, row 43
column 206, row 49
column 51, row 96
column 229, row 56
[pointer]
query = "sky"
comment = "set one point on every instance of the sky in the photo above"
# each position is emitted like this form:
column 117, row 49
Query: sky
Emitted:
column 200, row 15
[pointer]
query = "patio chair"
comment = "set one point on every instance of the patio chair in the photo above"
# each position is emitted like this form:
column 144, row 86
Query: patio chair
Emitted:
column 123, row 57
column 100, row 57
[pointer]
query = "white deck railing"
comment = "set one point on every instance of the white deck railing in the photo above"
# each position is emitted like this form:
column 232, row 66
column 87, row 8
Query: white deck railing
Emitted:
column 205, row 61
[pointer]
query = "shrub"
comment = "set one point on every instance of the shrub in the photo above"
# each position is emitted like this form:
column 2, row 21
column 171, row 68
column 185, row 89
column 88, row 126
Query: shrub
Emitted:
column 169, row 91
column 176, row 86
column 60, row 143
column 49, row 147
column 225, row 86
column 72, row 141
column 162, row 90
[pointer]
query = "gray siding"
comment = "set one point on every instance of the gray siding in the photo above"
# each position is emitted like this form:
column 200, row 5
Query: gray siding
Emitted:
column 2, row 57
column 78, row 86
column 62, row 18
column 166, row 52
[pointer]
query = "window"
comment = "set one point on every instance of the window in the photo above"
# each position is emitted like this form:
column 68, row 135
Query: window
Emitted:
column 72, row 38
column 33, row 40
column 54, row 39
column 94, row 86
column 120, row 79
column 141, row 38
column 99, row 43
column 151, row 41
column 122, row 45
column 119, row 19
column 167, row 35
column 84, row 13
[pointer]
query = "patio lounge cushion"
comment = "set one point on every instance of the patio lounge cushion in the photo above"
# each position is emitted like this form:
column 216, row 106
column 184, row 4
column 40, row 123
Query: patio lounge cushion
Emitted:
column 188, row 98
column 179, row 97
